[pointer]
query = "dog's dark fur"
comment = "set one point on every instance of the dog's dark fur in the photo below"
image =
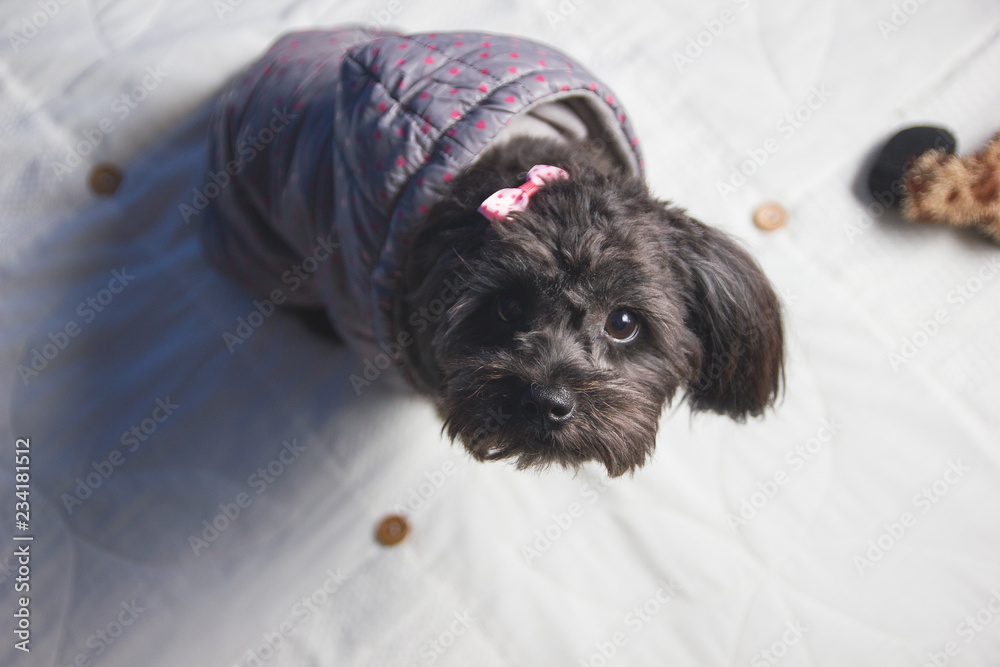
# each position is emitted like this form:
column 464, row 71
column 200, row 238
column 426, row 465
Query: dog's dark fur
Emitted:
column 553, row 387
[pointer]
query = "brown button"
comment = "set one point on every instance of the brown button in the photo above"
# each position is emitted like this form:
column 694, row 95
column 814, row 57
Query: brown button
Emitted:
column 392, row 530
column 770, row 216
column 105, row 178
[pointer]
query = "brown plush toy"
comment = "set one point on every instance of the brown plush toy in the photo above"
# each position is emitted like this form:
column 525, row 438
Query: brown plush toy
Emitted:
column 919, row 172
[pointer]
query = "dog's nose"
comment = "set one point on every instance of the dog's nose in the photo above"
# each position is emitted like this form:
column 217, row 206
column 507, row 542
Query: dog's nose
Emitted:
column 548, row 405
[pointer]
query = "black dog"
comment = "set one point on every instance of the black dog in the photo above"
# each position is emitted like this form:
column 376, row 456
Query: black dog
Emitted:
column 582, row 316
column 571, row 318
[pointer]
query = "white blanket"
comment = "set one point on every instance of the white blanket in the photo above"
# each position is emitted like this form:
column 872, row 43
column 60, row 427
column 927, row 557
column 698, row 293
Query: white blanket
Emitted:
column 195, row 501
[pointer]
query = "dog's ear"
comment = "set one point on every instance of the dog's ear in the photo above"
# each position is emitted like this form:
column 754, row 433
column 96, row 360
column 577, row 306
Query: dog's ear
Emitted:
column 734, row 312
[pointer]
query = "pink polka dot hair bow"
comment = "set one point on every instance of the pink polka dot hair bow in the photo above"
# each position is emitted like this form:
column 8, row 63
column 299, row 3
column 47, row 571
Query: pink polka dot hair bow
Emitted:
column 499, row 205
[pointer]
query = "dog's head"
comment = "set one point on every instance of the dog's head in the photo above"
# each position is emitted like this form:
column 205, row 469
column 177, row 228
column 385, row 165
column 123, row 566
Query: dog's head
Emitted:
column 577, row 320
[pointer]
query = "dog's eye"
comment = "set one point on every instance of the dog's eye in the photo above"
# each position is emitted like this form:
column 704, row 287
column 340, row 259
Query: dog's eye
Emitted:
column 510, row 309
column 621, row 325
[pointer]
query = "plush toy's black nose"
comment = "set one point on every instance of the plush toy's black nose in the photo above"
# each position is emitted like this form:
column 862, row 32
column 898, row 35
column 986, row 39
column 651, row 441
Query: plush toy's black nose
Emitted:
column 885, row 181
column 548, row 406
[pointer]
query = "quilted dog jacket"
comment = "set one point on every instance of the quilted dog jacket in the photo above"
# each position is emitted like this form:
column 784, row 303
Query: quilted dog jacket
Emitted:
column 326, row 153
